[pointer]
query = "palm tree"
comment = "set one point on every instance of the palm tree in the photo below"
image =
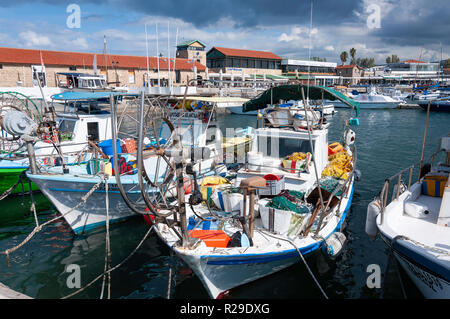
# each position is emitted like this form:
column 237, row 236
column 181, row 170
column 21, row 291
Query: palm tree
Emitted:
column 352, row 54
column 344, row 57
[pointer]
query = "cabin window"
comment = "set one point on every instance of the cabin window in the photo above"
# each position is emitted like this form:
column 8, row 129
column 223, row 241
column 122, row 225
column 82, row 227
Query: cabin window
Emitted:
column 281, row 147
column 93, row 132
column 66, row 129
column 91, row 83
column 98, row 83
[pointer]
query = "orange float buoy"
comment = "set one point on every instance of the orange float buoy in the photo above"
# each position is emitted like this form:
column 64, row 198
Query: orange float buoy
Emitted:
column 335, row 147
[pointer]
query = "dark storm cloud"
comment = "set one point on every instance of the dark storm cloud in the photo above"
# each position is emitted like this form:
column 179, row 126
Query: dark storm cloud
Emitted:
column 416, row 26
column 250, row 13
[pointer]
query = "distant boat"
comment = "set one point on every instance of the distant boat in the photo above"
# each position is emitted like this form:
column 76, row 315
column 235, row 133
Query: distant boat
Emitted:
column 438, row 105
column 371, row 100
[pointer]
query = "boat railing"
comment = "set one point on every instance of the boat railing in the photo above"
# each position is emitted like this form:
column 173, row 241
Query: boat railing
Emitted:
column 399, row 186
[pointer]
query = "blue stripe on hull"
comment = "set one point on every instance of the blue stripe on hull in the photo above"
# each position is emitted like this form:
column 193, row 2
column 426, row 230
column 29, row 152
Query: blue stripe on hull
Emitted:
column 419, row 260
column 89, row 227
column 268, row 257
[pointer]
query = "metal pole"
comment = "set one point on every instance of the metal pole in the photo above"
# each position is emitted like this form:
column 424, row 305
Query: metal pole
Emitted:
column 424, row 140
column 32, row 157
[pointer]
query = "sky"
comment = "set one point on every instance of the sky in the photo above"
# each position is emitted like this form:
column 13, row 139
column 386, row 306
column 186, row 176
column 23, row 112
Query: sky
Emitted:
column 411, row 29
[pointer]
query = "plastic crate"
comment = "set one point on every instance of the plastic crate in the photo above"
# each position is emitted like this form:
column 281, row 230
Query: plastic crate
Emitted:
column 273, row 187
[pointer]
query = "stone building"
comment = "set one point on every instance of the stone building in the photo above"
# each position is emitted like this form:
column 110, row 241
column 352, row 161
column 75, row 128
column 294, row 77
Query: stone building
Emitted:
column 16, row 67
column 192, row 50
column 350, row 73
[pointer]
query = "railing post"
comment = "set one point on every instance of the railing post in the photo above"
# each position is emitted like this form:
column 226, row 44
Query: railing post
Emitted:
column 410, row 176
column 398, row 185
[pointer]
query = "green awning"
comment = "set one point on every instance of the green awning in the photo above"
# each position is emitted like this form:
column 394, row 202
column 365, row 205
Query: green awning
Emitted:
column 294, row 92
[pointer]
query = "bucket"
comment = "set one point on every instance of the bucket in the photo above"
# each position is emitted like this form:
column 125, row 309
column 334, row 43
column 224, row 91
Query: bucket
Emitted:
column 255, row 160
column 107, row 147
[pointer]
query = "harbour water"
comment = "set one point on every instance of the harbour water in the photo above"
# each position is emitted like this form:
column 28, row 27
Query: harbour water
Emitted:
column 387, row 141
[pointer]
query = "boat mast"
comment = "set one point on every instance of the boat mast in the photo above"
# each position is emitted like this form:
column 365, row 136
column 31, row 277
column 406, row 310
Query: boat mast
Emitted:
column 168, row 57
column 146, row 46
column 157, row 55
column 105, row 58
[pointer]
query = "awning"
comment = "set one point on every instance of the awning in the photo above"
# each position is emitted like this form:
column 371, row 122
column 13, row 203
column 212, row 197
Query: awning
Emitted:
column 214, row 99
column 294, row 92
column 82, row 96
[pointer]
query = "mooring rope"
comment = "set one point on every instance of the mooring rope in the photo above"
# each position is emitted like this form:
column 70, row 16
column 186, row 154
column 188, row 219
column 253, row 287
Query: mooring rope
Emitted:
column 10, row 190
column 113, row 268
column 301, row 257
column 107, row 246
column 38, row 227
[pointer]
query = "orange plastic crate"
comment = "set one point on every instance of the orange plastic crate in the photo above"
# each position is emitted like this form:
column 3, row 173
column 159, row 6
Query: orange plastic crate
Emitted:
column 212, row 238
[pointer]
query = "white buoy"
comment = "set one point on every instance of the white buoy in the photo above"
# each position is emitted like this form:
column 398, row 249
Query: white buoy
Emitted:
column 373, row 209
column 334, row 244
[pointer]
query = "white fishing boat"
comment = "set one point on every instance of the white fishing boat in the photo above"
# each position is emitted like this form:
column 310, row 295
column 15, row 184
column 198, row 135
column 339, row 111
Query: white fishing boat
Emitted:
column 67, row 189
column 415, row 224
column 245, row 236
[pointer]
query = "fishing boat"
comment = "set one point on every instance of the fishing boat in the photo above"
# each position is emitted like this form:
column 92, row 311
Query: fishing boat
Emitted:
column 372, row 100
column 116, row 174
column 415, row 223
column 288, row 201
column 81, row 120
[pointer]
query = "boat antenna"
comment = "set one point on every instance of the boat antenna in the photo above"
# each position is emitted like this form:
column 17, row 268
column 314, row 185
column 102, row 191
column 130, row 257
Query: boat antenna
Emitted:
column 309, row 53
column 168, row 57
column 105, row 58
column 146, row 46
column 157, row 55
column 175, row 56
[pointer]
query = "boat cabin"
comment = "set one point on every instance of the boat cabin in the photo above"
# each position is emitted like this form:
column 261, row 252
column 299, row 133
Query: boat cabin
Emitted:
column 70, row 80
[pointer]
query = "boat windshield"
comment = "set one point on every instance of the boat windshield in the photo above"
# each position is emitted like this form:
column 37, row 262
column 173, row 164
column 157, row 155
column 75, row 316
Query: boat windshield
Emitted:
column 279, row 147
column 66, row 128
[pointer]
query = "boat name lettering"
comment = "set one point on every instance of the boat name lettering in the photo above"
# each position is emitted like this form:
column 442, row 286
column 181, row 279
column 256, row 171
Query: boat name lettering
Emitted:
column 431, row 281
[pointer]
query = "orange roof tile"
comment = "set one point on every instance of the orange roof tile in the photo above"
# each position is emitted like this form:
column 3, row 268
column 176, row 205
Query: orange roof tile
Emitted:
column 27, row 56
column 247, row 53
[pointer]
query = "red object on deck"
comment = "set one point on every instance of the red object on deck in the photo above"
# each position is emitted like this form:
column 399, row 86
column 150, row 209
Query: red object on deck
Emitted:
column 212, row 238
column 272, row 177
column 150, row 218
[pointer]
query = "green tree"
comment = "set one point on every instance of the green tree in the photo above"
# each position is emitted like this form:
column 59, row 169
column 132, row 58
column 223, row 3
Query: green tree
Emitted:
column 352, row 54
column 344, row 57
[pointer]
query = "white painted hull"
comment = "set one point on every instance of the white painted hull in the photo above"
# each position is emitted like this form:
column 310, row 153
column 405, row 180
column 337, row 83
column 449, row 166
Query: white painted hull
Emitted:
column 238, row 110
column 66, row 194
column 221, row 272
column 430, row 285
column 371, row 105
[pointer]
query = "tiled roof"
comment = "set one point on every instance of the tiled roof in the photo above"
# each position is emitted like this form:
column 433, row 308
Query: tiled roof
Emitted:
column 413, row 61
column 189, row 42
column 60, row 58
column 247, row 53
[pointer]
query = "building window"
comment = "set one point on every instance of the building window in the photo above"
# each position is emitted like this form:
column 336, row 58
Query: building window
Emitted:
column 131, row 76
column 264, row 64
column 244, row 63
column 251, row 63
column 72, row 68
column 258, row 64
column 1, row 66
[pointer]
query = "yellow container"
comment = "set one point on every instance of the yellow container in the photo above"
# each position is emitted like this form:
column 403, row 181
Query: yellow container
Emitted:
column 434, row 185
column 108, row 168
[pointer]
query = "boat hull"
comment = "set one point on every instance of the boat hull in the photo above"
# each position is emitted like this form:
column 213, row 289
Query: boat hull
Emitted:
column 370, row 105
column 220, row 273
column 66, row 194
column 436, row 106
column 432, row 283
column 238, row 110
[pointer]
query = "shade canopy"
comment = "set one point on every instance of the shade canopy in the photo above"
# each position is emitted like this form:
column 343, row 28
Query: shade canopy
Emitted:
column 294, row 92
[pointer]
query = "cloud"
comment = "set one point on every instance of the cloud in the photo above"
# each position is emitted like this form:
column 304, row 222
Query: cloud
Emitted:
column 329, row 48
column 31, row 38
